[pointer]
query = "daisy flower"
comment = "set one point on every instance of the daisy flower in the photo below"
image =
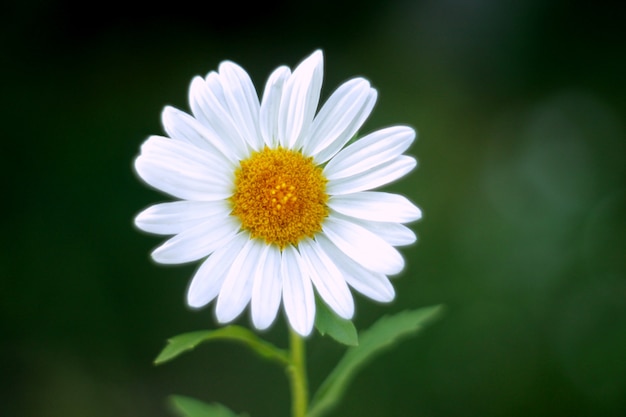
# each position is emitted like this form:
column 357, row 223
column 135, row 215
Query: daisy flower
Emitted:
column 272, row 200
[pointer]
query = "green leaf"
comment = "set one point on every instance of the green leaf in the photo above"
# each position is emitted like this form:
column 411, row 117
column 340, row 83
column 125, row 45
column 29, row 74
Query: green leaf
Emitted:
column 187, row 341
column 383, row 334
column 327, row 322
column 190, row 407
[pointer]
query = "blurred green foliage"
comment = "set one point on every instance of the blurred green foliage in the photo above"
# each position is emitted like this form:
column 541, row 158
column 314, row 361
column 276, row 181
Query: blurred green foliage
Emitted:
column 520, row 109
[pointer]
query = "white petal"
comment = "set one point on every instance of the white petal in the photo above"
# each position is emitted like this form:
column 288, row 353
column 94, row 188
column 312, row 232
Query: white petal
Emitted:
column 182, row 178
column 167, row 149
column 395, row 234
column 336, row 146
column 209, row 109
column 299, row 100
column 268, row 117
column 363, row 246
column 266, row 290
column 237, row 288
column 336, row 113
column 298, row 297
column 376, row 177
column 377, row 206
column 181, row 126
column 371, row 284
column 177, row 216
column 371, row 150
column 327, row 278
column 208, row 280
column 339, row 119
column 243, row 102
column 214, row 83
column 197, row 242
column 184, row 170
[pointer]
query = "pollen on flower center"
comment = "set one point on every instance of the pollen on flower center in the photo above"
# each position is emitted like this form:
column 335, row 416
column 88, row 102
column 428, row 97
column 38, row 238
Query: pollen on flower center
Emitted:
column 280, row 196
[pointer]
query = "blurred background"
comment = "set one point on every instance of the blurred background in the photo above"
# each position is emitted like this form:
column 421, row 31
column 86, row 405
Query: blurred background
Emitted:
column 520, row 108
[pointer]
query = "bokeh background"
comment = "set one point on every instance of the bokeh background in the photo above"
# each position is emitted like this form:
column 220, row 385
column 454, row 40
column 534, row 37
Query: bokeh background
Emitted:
column 520, row 108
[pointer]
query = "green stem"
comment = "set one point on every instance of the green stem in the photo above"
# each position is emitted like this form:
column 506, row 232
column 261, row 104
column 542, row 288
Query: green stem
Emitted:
column 296, row 372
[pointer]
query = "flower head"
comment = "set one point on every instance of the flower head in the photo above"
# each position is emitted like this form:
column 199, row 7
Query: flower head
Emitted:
column 272, row 200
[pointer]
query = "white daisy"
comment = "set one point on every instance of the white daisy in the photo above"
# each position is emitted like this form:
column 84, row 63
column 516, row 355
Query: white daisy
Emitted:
column 271, row 198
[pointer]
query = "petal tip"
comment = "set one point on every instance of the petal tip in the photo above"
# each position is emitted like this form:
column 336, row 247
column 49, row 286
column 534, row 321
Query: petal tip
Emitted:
column 195, row 302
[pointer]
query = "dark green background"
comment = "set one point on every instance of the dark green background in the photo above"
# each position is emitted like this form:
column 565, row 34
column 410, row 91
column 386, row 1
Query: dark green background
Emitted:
column 520, row 108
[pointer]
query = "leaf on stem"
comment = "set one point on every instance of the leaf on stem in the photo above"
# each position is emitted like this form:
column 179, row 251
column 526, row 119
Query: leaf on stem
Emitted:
column 187, row 341
column 190, row 407
column 327, row 322
column 381, row 335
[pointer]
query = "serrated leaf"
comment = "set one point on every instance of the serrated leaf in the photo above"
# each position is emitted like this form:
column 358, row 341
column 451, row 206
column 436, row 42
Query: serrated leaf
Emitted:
column 328, row 323
column 190, row 407
column 382, row 335
column 188, row 341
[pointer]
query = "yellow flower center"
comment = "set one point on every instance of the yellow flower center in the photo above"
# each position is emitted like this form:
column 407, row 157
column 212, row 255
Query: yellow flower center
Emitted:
column 280, row 196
